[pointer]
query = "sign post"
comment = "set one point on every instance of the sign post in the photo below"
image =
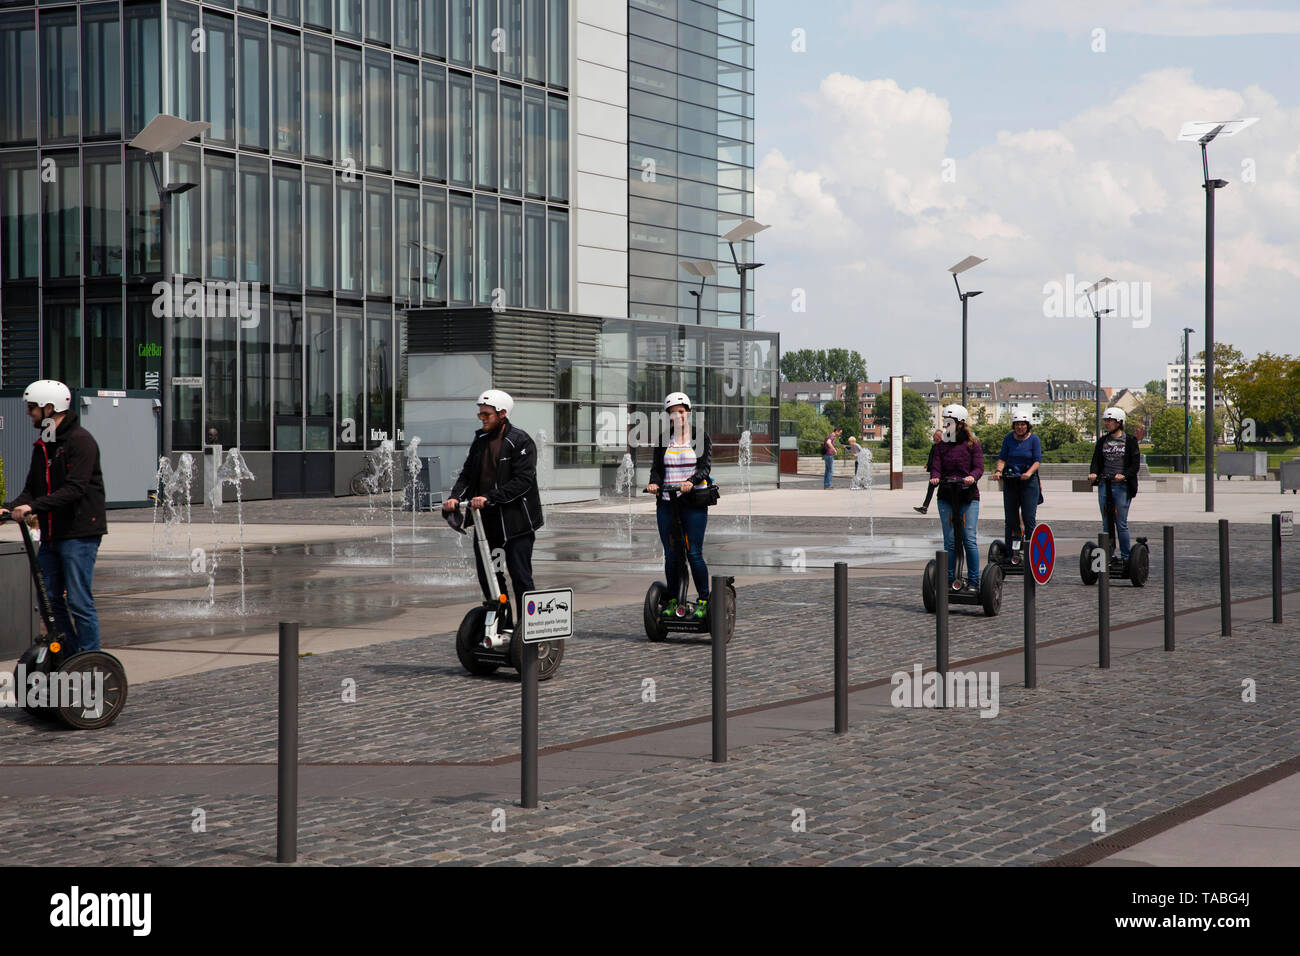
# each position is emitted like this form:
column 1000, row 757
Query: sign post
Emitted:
column 1042, row 562
column 895, row 433
column 546, row 616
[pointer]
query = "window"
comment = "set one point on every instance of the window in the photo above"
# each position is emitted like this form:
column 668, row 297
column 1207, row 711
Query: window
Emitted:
column 558, row 42
column 379, row 236
column 511, row 57
column 103, row 186
column 219, row 211
column 101, row 71
column 185, row 228
column 288, row 355
column 406, row 210
column 255, row 380
column 435, row 243
column 187, row 360
column 434, row 109
column 406, row 25
column 535, row 41
column 351, row 371
column 461, row 130
column 347, row 20
column 433, row 26
column 58, row 82
column 317, row 13
column 348, row 105
column 557, row 223
column 378, row 29
column 254, row 220
column 286, row 10
column 535, row 143
column 143, row 217
column 144, row 329
column 103, row 351
column 512, row 140
column 253, row 85
column 379, row 117
column 286, row 90
column 406, row 118
column 18, row 101
column 485, row 249
column 459, row 31
column 486, row 36
column 318, row 229
column 534, row 256
column 61, row 198
column 319, row 359
column 142, row 79
column 558, row 148
column 460, row 263
column 288, row 228
column 62, row 350
column 318, row 118
column 485, row 133
column 220, row 92
column 512, row 253
column 182, row 21
column 379, row 374
column 351, row 233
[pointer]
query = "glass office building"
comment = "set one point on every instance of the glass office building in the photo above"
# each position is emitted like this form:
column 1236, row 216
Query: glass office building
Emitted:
column 690, row 154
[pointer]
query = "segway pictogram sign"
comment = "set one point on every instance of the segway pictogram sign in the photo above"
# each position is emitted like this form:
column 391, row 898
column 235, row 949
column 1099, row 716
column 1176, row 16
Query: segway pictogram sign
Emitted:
column 1042, row 553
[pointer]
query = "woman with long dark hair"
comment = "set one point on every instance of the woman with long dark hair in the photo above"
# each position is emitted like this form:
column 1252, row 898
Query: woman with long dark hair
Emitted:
column 959, row 456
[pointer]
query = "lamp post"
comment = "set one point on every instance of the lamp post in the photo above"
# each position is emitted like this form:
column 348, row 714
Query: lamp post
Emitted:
column 1198, row 131
column 745, row 230
column 938, row 403
column 967, row 263
column 164, row 134
column 702, row 268
column 1187, row 405
column 1090, row 291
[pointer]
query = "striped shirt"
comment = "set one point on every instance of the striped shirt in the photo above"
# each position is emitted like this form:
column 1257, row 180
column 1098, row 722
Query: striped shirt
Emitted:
column 679, row 465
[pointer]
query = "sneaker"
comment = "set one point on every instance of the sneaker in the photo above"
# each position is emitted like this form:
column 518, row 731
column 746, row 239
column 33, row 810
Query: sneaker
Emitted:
column 702, row 607
column 920, row 509
column 670, row 608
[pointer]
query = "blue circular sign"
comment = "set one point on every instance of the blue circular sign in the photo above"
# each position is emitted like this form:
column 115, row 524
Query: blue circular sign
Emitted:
column 1042, row 553
column 531, row 607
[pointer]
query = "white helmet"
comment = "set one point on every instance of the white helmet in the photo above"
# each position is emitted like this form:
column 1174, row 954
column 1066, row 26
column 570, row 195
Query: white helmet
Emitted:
column 497, row 399
column 48, row 392
column 677, row 398
column 956, row 413
column 1021, row 417
column 1116, row 414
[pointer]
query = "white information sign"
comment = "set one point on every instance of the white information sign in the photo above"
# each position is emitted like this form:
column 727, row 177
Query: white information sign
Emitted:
column 548, row 615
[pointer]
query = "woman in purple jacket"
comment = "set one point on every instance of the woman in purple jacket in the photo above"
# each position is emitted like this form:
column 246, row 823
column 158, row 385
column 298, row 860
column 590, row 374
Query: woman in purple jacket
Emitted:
column 959, row 456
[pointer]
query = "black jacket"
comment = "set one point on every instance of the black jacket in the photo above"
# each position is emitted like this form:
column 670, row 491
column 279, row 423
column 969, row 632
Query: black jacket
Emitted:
column 703, row 464
column 514, row 504
column 65, row 485
column 1132, row 461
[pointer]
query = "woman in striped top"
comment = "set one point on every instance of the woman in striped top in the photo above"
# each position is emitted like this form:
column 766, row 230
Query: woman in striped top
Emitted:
column 681, row 461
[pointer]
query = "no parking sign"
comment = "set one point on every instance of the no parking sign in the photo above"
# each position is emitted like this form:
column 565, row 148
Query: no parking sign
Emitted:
column 1042, row 553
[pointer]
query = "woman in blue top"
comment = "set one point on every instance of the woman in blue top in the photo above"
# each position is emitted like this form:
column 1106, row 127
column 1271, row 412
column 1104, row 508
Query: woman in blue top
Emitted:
column 1018, row 462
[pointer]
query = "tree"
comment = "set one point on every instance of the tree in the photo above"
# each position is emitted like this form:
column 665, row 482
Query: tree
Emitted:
column 1147, row 406
column 851, row 420
column 823, row 365
column 1054, row 433
column 1230, row 376
column 1267, row 393
column 918, row 423
column 1009, row 378
column 1166, row 434
column 1157, row 386
column 811, row 427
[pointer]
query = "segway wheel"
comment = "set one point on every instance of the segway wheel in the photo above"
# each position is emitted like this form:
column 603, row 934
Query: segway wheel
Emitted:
column 653, row 612
column 928, row 594
column 1086, row 572
column 1139, row 565
column 549, row 655
column 991, row 590
column 469, row 636
column 107, row 676
column 997, row 552
column 33, row 661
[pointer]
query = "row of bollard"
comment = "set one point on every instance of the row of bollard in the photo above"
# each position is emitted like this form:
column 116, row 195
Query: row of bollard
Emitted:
column 287, row 756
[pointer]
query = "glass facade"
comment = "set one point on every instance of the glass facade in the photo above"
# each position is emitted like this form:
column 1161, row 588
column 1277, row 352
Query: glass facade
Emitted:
column 690, row 154
column 362, row 157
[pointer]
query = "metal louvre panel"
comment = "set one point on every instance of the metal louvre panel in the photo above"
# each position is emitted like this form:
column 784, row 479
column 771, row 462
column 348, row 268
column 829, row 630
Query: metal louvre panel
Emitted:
column 448, row 330
column 525, row 349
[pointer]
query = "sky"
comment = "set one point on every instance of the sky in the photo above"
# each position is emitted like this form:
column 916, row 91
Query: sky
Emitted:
column 1041, row 135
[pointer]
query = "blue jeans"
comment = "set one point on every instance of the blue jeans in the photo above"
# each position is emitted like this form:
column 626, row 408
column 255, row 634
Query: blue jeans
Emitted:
column 830, row 469
column 1019, row 506
column 1119, row 493
column 69, row 565
column 694, row 523
column 971, row 515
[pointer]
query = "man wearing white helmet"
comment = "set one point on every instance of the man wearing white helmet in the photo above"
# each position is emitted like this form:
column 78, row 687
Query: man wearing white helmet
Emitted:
column 957, row 466
column 1115, row 463
column 500, row 479
column 65, row 490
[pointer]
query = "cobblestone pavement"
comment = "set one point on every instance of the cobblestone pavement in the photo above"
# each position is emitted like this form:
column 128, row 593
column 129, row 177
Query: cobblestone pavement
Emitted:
column 904, row 786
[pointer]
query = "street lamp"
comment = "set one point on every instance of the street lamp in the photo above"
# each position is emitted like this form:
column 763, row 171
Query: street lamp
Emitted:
column 702, row 268
column 967, row 263
column 1187, row 405
column 1199, row 131
column 745, row 230
column 1090, row 291
column 164, row 134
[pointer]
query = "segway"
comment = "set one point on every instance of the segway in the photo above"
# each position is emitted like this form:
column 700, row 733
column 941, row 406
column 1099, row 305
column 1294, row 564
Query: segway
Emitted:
column 683, row 619
column 989, row 595
column 1138, row 567
column 487, row 637
column 1010, row 557
column 77, row 680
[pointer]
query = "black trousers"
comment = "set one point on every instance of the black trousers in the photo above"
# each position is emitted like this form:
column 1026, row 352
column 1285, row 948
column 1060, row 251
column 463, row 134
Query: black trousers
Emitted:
column 518, row 553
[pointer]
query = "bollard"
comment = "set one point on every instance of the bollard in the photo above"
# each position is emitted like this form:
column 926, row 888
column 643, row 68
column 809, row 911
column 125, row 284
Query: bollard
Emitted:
column 1277, row 569
column 1169, row 587
column 1225, row 582
column 941, row 590
column 841, row 647
column 1103, row 603
column 718, row 636
column 528, row 729
column 286, row 796
column 1031, row 627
